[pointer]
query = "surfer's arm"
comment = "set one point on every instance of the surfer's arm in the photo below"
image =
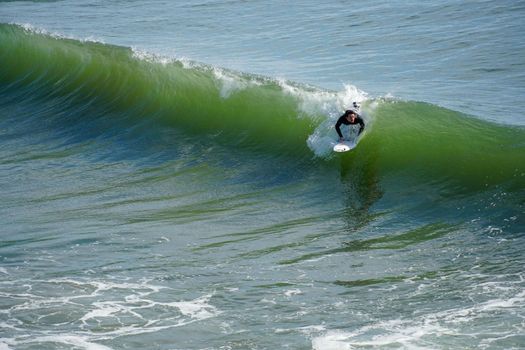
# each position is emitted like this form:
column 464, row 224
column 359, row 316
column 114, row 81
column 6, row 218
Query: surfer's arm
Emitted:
column 338, row 128
column 361, row 125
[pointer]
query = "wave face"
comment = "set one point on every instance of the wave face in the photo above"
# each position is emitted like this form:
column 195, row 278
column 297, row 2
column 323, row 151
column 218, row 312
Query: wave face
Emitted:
column 413, row 136
column 148, row 200
column 253, row 112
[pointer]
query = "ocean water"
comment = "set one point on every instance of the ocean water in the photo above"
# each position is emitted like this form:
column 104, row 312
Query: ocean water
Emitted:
column 167, row 179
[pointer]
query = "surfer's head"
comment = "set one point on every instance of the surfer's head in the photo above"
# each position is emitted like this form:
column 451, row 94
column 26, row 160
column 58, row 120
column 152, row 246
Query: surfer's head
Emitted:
column 350, row 115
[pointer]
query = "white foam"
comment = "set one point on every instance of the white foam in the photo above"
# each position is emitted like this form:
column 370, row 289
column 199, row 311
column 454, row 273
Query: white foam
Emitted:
column 268, row 301
column 229, row 83
column 41, row 31
column 315, row 101
column 123, row 305
column 333, row 340
column 321, row 142
column 292, row 292
column 308, row 330
column 108, row 285
column 189, row 64
column 332, row 105
column 395, row 332
column 150, row 57
column 104, row 309
column 198, row 308
column 3, row 345
column 409, row 333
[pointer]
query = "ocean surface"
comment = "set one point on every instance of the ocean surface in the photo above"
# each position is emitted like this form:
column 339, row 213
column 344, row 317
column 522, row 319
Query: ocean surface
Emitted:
column 167, row 179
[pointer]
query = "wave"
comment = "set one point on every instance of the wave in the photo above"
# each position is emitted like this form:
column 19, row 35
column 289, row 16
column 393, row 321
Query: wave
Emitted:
column 251, row 112
column 198, row 98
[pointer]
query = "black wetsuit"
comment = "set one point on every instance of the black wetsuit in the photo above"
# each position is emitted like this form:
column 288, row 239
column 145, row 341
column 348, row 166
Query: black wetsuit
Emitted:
column 342, row 120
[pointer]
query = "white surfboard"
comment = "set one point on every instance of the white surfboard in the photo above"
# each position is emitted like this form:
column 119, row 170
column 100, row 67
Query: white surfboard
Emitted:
column 344, row 146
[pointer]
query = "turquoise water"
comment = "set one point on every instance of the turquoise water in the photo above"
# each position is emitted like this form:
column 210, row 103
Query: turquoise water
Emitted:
column 167, row 180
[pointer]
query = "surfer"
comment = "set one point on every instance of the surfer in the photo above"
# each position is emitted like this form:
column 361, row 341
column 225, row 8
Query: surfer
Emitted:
column 349, row 118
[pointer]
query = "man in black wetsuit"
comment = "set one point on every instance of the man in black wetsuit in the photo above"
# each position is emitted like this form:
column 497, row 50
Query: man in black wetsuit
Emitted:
column 349, row 118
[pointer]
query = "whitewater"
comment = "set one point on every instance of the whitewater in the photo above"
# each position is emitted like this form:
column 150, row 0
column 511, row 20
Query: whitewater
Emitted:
column 167, row 180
